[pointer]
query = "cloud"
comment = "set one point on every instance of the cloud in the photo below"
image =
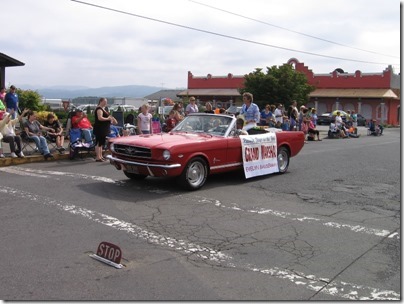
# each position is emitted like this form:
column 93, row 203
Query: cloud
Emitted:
column 67, row 43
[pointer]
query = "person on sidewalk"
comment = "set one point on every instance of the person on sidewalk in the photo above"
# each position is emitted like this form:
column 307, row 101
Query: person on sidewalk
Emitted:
column 80, row 121
column 7, row 132
column 56, row 136
column 34, row 131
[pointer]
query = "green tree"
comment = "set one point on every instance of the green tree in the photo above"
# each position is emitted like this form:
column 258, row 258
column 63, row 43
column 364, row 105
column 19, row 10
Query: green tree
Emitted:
column 30, row 99
column 278, row 85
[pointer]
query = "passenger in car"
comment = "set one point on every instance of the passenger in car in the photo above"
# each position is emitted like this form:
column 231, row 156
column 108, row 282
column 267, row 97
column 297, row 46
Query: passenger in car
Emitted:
column 239, row 127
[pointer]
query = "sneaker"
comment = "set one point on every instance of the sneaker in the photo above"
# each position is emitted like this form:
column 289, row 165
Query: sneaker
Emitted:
column 48, row 156
column 21, row 154
column 13, row 155
column 2, row 155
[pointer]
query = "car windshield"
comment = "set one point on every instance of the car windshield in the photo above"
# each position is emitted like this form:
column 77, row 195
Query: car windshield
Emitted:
column 212, row 124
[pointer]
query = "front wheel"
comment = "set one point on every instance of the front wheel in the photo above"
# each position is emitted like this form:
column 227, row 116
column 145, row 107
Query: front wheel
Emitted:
column 283, row 159
column 195, row 174
column 134, row 176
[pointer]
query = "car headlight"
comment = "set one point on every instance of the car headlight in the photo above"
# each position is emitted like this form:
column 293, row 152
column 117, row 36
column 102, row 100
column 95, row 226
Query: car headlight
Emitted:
column 166, row 154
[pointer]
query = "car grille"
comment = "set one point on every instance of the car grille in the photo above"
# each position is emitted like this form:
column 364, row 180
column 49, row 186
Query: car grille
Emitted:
column 133, row 151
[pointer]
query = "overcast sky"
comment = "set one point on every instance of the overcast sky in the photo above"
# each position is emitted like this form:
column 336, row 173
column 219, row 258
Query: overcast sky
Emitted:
column 68, row 43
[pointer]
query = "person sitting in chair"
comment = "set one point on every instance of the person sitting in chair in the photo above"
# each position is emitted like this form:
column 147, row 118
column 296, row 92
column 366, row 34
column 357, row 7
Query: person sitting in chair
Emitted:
column 312, row 132
column 34, row 131
column 57, row 135
column 80, row 121
column 374, row 128
column 7, row 129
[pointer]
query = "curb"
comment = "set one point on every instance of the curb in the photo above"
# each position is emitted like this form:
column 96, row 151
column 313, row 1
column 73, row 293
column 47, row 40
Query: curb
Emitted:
column 8, row 161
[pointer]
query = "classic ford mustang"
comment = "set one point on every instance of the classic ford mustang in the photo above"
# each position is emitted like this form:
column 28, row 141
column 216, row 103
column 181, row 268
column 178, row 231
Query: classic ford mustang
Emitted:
column 200, row 145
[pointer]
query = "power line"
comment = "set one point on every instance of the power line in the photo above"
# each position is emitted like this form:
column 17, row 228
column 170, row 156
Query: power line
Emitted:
column 289, row 30
column 227, row 36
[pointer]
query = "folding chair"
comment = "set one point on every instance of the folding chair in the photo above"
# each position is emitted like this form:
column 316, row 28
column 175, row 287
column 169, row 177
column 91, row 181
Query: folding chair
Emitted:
column 51, row 141
column 28, row 145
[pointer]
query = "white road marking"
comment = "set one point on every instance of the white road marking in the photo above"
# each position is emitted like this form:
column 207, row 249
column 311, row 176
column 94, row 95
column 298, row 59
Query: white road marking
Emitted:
column 282, row 214
column 48, row 174
column 285, row 215
column 302, row 218
column 339, row 289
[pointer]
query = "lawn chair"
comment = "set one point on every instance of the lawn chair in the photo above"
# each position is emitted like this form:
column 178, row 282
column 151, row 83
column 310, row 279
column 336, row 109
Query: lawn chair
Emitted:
column 28, row 145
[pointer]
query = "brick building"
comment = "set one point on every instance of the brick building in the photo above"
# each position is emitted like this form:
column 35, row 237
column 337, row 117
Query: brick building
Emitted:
column 374, row 95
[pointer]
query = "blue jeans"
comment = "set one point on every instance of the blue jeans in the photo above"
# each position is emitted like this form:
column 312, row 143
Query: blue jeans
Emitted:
column 87, row 134
column 40, row 142
column 14, row 115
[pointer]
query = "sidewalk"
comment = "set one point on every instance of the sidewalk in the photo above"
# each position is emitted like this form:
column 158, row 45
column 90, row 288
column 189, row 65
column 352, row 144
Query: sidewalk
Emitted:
column 33, row 158
column 37, row 157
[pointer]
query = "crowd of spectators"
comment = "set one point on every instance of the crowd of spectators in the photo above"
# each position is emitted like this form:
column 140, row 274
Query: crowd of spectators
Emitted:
column 272, row 116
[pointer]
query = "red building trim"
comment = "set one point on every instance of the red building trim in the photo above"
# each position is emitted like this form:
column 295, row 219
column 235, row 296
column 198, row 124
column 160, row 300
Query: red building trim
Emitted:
column 370, row 107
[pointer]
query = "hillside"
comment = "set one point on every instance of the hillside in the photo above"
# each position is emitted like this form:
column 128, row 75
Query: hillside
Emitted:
column 117, row 91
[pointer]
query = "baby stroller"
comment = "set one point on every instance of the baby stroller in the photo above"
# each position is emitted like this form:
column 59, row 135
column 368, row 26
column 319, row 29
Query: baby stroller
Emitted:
column 333, row 131
column 129, row 127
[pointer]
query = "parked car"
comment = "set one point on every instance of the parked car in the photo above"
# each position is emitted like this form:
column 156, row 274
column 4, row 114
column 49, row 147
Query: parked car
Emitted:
column 200, row 145
column 233, row 110
column 86, row 106
column 361, row 120
column 324, row 119
column 327, row 117
column 123, row 108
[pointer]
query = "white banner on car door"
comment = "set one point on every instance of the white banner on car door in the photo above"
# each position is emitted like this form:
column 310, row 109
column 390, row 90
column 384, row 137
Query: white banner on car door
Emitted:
column 259, row 154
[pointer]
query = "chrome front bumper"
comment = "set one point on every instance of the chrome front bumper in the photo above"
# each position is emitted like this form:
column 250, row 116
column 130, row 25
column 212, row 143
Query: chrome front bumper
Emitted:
column 127, row 162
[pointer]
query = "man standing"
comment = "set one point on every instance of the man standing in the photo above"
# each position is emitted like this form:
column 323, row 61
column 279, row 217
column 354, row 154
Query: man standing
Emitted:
column 11, row 101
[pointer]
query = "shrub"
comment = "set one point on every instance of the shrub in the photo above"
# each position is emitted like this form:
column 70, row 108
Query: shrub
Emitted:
column 43, row 115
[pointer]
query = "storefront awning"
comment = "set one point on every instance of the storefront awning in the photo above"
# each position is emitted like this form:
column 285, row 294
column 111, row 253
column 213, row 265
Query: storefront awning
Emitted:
column 354, row 93
column 209, row 92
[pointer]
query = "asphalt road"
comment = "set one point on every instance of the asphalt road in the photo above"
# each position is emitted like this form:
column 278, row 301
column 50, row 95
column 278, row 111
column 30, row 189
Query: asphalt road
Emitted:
column 328, row 229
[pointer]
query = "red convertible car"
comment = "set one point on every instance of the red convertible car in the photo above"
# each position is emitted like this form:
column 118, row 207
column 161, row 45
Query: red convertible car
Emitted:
column 200, row 145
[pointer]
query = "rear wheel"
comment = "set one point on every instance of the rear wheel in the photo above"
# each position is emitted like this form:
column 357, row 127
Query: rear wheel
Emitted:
column 195, row 174
column 283, row 159
column 134, row 176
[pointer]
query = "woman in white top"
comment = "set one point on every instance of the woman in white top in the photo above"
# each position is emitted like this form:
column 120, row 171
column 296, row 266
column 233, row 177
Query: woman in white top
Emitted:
column 338, row 120
column 192, row 107
column 7, row 133
column 144, row 121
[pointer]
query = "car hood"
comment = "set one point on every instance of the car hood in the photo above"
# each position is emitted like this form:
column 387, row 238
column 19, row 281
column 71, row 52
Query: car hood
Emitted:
column 165, row 140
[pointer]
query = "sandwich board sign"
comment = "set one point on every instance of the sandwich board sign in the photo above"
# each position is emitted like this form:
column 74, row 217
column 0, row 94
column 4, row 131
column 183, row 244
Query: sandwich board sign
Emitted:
column 108, row 253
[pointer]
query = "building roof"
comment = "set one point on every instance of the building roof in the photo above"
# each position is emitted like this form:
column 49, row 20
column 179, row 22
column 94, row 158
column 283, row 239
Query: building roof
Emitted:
column 210, row 92
column 7, row 61
column 172, row 94
column 354, row 93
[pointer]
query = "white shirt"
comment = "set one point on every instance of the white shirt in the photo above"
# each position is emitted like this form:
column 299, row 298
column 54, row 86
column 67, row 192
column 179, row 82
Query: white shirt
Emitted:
column 145, row 121
column 338, row 121
column 278, row 112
